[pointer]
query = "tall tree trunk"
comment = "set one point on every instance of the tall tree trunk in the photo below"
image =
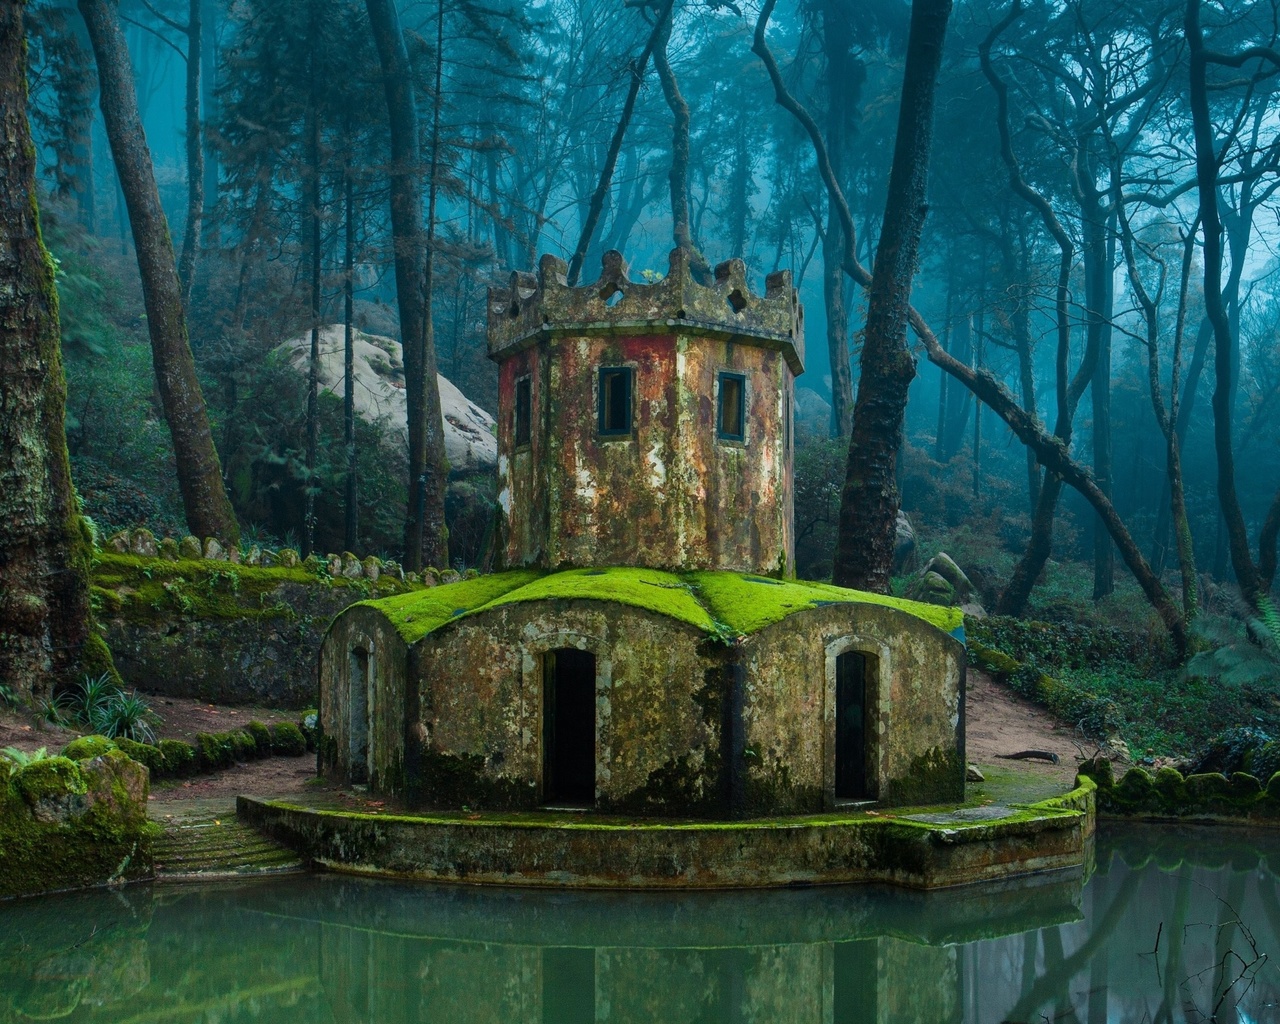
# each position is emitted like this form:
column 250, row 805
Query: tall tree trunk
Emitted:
column 869, row 498
column 1051, row 451
column 204, row 497
column 1207, row 184
column 45, row 635
column 837, row 41
column 837, row 329
column 679, row 175
column 351, row 518
column 1098, row 252
column 195, row 156
column 311, row 195
column 424, row 533
column 1021, row 324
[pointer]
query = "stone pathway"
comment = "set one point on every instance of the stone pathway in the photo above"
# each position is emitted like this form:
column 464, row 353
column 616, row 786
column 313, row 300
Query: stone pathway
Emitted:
column 208, row 844
column 963, row 815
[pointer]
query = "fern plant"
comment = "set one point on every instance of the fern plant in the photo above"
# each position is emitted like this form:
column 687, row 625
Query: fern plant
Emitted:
column 21, row 758
column 1242, row 649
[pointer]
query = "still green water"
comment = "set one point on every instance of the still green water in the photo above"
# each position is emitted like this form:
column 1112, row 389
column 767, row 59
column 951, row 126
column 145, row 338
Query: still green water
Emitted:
column 1171, row 926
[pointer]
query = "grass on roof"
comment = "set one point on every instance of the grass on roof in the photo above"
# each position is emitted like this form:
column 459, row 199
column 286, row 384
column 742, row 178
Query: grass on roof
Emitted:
column 721, row 604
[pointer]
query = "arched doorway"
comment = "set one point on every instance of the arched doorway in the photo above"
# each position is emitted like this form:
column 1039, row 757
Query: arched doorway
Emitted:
column 855, row 691
column 569, row 727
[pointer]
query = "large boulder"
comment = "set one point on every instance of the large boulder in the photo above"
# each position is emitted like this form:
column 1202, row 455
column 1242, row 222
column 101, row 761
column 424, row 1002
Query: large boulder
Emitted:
column 470, row 434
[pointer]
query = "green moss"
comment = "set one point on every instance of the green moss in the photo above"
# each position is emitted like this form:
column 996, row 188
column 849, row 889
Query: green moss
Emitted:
column 152, row 590
column 287, row 740
column 179, row 758
column 243, row 746
column 49, row 779
column 85, row 747
column 649, row 589
column 96, row 660
column 261, row 737
column 722, row 604
column 213, row 751
column 143, row 753
column 100, row 832
column 416, row 614
column 749, row 603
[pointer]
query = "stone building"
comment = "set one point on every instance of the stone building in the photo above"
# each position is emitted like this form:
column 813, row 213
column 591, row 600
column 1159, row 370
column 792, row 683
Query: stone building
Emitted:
column 644, row 648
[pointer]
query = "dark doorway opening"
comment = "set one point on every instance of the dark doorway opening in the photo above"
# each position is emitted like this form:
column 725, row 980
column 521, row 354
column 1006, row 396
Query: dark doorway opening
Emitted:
column 853, row 669
column 856, row 973
column 568, row 985
column 358, row 720
column 569, row 727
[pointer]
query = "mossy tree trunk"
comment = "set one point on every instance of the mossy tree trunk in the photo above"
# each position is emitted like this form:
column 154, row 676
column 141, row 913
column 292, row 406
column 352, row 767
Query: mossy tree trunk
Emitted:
column 204, row 498
column 45, row 632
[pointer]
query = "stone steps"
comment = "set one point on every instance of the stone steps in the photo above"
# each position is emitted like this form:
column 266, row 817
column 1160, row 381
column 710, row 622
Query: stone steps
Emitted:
column 218, row 846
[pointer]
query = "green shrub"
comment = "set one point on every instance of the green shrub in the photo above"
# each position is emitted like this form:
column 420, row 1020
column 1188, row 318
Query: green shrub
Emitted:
column 287, row 740
column 180, row 759
column 85, row 747
column 261, row 737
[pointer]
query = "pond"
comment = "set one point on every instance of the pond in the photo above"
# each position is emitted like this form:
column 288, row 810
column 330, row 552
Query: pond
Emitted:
column 1172, row 925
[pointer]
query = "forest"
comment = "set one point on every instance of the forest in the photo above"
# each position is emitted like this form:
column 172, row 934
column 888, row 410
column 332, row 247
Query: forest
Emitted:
column 1034, row 243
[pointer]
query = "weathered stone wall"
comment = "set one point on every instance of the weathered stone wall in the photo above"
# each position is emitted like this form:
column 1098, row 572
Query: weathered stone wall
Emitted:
column 480, row 707
column 386, row 662
column 671, row 493
column 685, row 724
column 225, row 631
column 916, row 731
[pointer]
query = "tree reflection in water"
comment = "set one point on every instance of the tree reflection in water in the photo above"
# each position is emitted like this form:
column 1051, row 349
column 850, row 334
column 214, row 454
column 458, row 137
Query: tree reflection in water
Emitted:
column 1169, row 926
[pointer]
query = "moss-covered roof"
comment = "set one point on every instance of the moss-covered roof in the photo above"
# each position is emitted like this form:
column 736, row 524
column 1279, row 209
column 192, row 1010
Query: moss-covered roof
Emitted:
column 722, row 604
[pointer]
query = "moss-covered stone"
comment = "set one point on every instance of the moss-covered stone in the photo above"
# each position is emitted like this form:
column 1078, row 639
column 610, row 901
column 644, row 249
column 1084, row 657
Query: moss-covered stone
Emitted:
column 144, row 753
column 261, row 737
column 66, row 824
column 721, row 604
column 84, row 747
column 180, row 759
column 243, row 746
column 213, row 751
column 287, row 740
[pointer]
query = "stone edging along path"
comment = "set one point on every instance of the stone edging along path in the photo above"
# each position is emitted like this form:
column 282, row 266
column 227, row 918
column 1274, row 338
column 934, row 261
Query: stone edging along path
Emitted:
column 915, row 849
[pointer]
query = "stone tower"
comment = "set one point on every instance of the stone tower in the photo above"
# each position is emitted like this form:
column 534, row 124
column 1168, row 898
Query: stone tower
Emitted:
column 646, row 424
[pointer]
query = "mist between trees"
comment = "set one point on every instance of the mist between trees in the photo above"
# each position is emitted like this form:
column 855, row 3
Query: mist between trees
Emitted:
column 1093, row 362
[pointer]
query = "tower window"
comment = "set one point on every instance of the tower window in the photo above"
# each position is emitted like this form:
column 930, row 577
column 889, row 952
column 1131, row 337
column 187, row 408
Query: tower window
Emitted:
column 524, row 410
column 731, row 414
column 615, row 400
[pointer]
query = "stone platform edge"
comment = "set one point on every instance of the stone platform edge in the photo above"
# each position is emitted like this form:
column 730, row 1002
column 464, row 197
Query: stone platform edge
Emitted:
column 885, row 847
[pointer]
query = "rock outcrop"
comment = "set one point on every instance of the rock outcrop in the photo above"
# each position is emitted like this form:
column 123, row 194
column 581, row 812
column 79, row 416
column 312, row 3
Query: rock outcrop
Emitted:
column 470, row 434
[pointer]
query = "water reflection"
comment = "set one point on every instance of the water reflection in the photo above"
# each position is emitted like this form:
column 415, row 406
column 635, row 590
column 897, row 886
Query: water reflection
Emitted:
column 1170, row 927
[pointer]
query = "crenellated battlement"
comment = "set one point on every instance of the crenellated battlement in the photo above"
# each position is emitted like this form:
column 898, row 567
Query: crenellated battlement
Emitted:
column 533, row 304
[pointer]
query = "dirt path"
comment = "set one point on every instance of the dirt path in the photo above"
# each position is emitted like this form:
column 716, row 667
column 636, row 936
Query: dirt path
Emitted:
column 998, row 721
